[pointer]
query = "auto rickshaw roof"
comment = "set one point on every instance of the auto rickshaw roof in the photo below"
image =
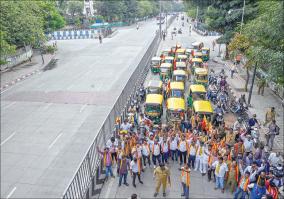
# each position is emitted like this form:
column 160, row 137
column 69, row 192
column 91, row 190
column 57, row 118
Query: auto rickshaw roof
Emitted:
column 182, row 57
column 197, row 43
column 180, row 50
column 155, row 83
column 198, row 54
column 202, row 106
column 154, row 99
column 166, row 65
column 197, row 88
column 167, row 50
column 156, row 59
column 189, row 50
column 177, row 85
column 201, row 71
column 196, row 60
column 179, row 72
column 180, row 64
column 175, row 103
column 169, row 57
column 205, row 48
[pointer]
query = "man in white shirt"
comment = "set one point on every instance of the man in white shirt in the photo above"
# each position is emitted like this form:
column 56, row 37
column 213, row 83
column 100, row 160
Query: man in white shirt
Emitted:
column 248, row 143
column 112, row 144
column 146, row 153
column 205, row 157
column 192, row 154
column 199, row 156
column 125, row 126
column 254, row 170
column 182, row 147
column 165, row 151
column 135, row 171
column 156, row 153
column 274, row 159
column 173, row 148
column 221, row 169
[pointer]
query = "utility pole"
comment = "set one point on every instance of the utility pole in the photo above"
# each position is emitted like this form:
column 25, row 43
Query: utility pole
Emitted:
column 160, row 23
column 196, row 16
column 252, row 82
column 243, row 16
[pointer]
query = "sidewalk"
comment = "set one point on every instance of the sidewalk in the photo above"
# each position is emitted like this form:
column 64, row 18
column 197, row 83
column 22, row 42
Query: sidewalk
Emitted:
column 25, row 70
column 260, row 104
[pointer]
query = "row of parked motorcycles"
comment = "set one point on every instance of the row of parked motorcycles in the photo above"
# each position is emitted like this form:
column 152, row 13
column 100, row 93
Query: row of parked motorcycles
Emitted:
column 219, row 94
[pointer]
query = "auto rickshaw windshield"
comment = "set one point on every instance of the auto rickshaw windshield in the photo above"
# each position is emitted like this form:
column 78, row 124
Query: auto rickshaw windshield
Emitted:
column 201, row 77
column 152, row 108
column 152, row 90
column 179, row 78
column 177, row 93
column 164, row 70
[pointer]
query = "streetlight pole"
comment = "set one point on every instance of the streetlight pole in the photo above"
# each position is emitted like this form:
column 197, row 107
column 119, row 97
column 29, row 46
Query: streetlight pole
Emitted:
column 243, row 16
column 252, row 82
column 196, row 16
column 160, row 23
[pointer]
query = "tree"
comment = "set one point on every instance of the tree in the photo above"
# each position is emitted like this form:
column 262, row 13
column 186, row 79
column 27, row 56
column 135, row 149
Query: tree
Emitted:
column 75, row 7
column 6, row 49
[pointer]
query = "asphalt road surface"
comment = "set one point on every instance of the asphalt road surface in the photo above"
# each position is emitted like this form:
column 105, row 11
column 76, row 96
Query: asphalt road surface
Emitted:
column 49, row 120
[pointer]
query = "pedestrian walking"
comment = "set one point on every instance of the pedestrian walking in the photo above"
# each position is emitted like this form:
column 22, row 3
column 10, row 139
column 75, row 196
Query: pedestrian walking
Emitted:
column 162, row 175
column 185, row 180
column 124, row 166
column 233, row 175
column 164, row 36
column 182, row 147
column 261, row 84
column 156, row 153
column 199, row 155
column 100, row 38
column 192, row 149
column 213, row 44
column 273, row 130
column 107, row 161
column 269, row 116
column 135, row 171
column 146, row 153
column 173, row 148
column 165, row 151
column 233, row 70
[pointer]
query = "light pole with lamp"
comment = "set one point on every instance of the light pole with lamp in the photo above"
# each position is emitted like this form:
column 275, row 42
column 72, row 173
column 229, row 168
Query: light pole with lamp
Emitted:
column 243, row 13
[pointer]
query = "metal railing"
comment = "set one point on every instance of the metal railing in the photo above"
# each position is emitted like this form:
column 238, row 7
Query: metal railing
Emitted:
column 91, row 166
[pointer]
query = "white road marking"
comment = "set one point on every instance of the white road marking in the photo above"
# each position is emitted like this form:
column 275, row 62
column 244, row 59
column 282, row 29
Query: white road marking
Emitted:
column 11, row 193
column 8, row 138
column 51, row 145
column 9, row 105
column 83, row 107
column 47, row 106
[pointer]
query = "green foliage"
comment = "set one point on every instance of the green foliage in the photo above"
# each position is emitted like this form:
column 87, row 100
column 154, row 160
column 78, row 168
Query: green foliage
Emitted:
column 75, row 7
column 6, row 49
column 49, row 49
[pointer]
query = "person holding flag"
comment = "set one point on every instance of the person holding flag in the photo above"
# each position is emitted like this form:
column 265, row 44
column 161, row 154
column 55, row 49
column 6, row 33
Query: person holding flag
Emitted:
column 233, row 176
column 185, row 180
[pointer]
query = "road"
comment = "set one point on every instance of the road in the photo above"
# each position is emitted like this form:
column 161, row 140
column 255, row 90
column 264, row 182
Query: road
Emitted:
column 49, row 120
column 200, row 187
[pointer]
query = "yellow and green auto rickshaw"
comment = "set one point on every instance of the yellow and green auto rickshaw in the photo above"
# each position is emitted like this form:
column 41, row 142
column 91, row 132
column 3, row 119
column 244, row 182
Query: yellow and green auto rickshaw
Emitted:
column 179, row 76
column 155, row 64
column 176, row 89
column 175, row 110
column 201, row 76
column 166, row 52
column 181, row 58
column 197, row 91
column 166, row 71
column 195, row 63
column 198, row 55
column 203, row 108
column 180, row 51
column 181, row 66
column 197, row 45
column 205, row 53
column 154, row 87
column 154, row 107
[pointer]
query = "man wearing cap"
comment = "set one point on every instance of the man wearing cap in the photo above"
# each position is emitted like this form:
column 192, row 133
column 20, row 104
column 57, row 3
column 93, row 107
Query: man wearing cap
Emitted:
column 162, row 175
column 185, row 180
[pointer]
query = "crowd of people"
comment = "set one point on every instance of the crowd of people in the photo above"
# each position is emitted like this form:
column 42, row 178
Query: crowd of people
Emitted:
column 226, row 155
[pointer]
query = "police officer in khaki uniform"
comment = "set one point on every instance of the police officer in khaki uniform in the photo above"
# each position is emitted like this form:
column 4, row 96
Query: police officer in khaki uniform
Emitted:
column 162, row 175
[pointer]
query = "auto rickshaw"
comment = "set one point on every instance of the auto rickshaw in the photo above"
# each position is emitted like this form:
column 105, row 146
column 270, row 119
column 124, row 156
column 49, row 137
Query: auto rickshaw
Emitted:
column 175, row 110
column 195, row 63
column 197, row 91
column 180, row 51
column 179, row 76
column 166, row 52
column 176, row 90
column 169, row 59
column 201, row 76
column 197, row 45
column 154, row 87
column 203, row 108
column 155, row 64
column 188, row 52
column 205, row 53
column 165, row 71
column 181, row 66
column 181, row 58
column 154, row 107
column 197, row 55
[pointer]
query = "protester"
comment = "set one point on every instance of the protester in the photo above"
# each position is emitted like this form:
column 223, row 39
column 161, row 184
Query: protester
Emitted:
column 185, row 180
column 162, row 175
